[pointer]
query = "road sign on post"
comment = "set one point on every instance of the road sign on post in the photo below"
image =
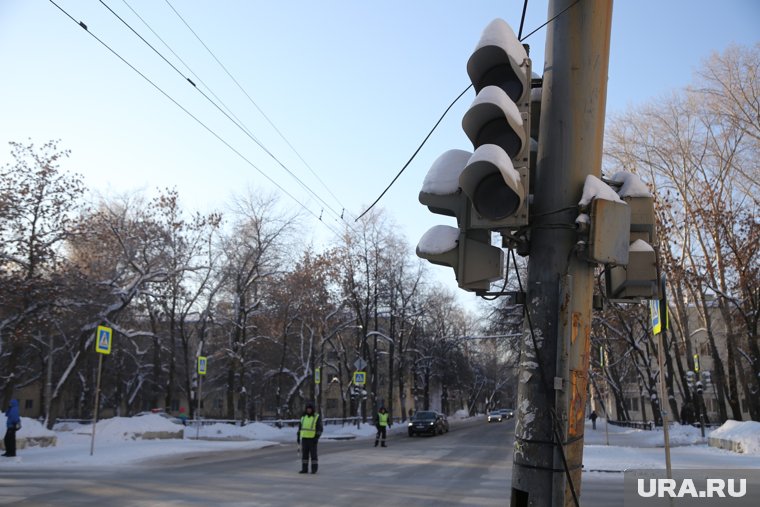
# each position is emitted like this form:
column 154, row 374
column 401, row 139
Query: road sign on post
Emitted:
column 103, row 342
column 103, row 339
column 202, row 368
column 360, row 378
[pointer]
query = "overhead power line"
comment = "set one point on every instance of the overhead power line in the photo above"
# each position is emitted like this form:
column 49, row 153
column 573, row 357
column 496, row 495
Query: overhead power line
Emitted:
column 190, row 70
column 253, row 102
column 245, row 131
column 212, row 132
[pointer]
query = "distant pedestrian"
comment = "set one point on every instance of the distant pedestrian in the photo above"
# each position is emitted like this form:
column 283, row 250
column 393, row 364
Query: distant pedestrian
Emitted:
column 382, row 422
column 12, row 425
column 593, row 417
column 309, row 431
column 183, row 416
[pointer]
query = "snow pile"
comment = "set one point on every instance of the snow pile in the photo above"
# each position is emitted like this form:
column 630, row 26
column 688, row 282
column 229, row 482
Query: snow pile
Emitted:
column 631, row 437
column 118, row 429
column 632, row 185
column 746, row 433
column 252, row 431
column 594, row 188
column 30, row 428
column 443, row 176
column 438, row 240
column 460, row 414
column 640, row 246
column 682, row 434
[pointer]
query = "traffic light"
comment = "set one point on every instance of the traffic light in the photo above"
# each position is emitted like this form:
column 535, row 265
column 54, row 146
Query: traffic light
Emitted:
column 638, row 278
column 497, row 178
column 486, row 190
column 475, row 261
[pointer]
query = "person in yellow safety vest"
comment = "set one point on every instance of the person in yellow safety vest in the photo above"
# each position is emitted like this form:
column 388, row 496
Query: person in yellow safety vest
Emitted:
column 382, row 422
column 309, row 431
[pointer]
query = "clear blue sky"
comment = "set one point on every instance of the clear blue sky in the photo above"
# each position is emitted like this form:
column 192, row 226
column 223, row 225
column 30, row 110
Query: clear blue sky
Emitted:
column 354, row 86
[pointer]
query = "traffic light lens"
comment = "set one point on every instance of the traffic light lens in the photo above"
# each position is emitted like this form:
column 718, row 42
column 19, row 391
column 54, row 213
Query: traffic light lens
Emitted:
column 505, row 78
column 494, row 199
column 494, row 132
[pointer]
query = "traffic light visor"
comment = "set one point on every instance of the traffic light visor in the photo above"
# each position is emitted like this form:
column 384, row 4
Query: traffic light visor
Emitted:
column 499, row 60
column 494, row 119
column 492, row 183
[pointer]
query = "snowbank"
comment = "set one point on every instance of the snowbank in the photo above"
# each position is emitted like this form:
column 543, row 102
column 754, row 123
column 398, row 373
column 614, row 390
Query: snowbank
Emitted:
column 630, row 437
column 118, row 429
column 30, row 428
column 743, row 436
column 460, row 414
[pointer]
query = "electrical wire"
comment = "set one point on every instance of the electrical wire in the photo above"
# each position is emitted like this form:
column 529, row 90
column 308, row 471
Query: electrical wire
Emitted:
column 555, row 17
column 415, row 153
column 245, row 131
column 522, row 20
column 256, row 106
column 196, row 76
column 212, row 132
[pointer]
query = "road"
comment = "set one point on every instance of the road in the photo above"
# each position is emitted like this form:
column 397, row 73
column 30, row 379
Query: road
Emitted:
column 470, row 466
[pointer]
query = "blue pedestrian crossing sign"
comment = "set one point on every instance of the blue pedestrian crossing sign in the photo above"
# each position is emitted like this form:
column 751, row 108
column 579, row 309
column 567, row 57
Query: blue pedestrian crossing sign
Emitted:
column 103, row 338
column 202, row 363
column 360, row 378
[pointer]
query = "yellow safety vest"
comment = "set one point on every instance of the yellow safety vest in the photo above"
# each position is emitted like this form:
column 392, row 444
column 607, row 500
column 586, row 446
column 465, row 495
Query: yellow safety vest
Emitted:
column 382, row 419
column 309, row 426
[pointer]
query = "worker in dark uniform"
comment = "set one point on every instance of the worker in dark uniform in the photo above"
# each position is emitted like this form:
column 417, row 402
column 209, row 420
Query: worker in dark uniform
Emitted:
column 382, row 421
column 309, row 431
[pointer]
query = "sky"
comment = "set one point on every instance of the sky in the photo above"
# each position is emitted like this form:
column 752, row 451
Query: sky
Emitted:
column 353, row 87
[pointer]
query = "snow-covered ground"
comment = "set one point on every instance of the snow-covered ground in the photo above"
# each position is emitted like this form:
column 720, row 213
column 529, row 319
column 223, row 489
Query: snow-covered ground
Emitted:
column 631, row 448
column 118, row 443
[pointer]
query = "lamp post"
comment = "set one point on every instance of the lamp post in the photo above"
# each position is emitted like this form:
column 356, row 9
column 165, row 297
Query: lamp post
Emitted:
column 391, row 341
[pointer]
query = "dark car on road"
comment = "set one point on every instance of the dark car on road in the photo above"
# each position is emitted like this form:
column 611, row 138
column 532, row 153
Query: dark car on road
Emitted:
column 428, row 422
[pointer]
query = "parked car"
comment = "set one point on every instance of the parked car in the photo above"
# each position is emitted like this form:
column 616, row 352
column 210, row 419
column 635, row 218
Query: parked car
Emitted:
column 496, row 416
column 428, row 422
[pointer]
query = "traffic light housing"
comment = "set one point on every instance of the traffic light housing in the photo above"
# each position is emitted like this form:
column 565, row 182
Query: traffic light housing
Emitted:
column 486, row 190
column 639, row 278
column 498, row 125
column 475, row 261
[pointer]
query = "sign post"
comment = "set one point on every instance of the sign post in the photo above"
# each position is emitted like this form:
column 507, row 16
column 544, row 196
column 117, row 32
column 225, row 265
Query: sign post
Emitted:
column 202, row 365
column 103, row 339
column 657, row 326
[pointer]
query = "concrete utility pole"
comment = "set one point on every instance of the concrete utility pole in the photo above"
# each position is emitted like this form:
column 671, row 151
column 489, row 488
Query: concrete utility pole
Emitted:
column 555, row 360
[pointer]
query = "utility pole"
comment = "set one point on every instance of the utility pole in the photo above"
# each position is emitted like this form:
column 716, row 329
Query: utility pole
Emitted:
column 555, row 354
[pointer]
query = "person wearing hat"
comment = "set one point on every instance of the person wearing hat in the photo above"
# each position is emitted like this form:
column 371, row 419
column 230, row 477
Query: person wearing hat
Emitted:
column 382, row 421
column 309, row 431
